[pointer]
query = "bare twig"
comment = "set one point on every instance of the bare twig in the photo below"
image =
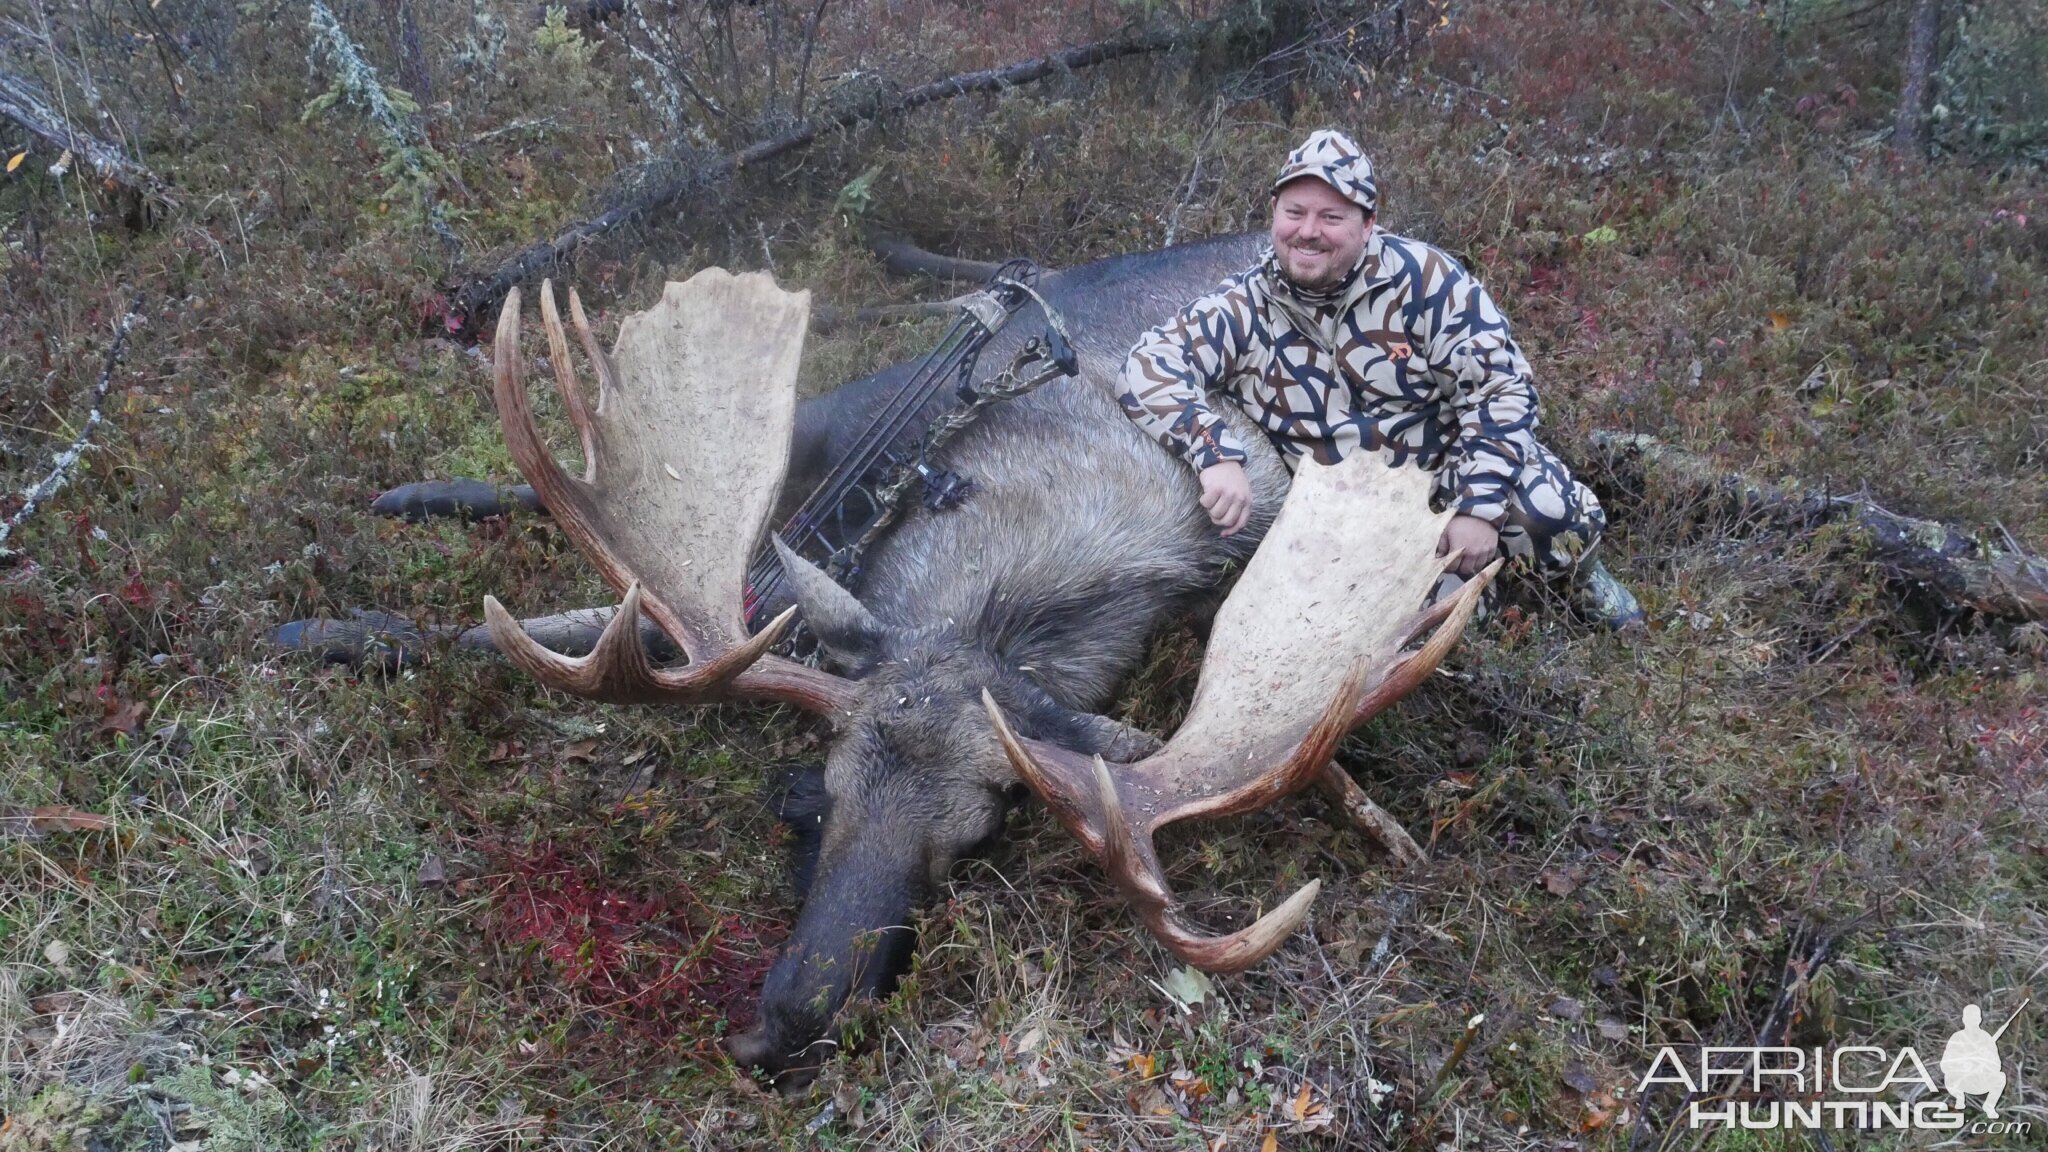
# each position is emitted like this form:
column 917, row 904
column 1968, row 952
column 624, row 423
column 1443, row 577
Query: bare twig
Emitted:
column 1194, row 180
column 60, row 469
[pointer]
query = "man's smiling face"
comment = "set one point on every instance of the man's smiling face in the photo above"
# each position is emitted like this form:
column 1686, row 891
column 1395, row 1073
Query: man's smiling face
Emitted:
column 1317, row 233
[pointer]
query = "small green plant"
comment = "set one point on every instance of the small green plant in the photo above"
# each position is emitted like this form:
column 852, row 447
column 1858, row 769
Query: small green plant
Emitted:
column 560, row 44
column 857, row 197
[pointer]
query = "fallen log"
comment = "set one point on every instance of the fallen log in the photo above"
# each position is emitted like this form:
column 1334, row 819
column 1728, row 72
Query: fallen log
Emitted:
column 1960, row 569
column 24, row 103
column 665, row 180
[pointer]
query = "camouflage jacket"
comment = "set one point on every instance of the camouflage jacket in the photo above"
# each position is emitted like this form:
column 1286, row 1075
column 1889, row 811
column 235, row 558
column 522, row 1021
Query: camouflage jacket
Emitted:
column 1410, row 355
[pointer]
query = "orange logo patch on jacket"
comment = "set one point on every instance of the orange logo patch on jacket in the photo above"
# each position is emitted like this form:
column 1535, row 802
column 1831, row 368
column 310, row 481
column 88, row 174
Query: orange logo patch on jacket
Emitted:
column 1400, row 352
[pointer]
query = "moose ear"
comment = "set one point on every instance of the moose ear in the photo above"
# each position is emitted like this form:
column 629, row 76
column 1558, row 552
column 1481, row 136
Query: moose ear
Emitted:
column 849, row 633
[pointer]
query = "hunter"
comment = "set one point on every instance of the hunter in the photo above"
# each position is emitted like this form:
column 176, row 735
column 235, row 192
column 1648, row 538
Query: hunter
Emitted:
column 1344, row 336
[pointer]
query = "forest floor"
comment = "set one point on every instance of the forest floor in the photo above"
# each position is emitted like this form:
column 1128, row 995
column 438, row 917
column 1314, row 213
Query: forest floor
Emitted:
column 249, row 902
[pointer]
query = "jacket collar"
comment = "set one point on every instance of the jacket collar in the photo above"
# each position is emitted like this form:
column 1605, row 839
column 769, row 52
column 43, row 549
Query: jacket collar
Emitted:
column 1315, row 314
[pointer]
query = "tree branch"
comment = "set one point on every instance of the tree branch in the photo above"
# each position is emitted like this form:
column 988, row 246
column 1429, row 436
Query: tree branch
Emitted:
column 22, row 102
column 60, row 469
column 664, row 181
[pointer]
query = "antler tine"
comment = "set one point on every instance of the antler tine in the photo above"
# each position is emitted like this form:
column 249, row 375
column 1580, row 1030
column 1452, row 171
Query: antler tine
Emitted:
column 1415, row 667
column 1123, row 845
column 1139, row 877
column 607, row 376
column 515, row 410
column 1138, row 873
column 619, row 669
column 565, row 378
column 1241, row 949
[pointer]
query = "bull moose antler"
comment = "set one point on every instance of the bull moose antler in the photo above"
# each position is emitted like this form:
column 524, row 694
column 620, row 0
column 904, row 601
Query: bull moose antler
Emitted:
column 683, row 452
column 1309, row 645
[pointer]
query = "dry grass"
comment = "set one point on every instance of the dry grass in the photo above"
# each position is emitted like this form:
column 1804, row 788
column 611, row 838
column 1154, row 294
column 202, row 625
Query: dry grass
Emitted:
column 397, row 899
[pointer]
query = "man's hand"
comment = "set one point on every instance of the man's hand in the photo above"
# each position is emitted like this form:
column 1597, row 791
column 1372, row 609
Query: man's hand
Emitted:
column 1472, row 541
column 1227, row 496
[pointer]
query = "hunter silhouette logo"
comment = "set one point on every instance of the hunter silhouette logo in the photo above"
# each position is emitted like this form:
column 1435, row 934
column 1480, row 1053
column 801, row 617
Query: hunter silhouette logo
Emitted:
column 1969, row 1064
column 1853, row 1086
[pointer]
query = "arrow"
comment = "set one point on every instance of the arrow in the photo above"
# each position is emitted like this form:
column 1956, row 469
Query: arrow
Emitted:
column 2009, row 1019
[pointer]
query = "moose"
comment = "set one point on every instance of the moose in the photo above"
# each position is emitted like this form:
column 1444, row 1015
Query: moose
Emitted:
column 971, row 661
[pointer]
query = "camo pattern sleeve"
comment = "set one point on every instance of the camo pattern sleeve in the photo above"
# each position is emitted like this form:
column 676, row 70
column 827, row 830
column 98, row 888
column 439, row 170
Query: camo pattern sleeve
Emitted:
column 1164, row 381
column 1489, row 388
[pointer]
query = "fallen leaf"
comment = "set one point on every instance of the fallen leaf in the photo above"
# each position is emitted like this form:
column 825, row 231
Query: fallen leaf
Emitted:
column 1187, row 987
column 1612, row 1029
column 124, row 716
column 1272, row 1141
column 1780, row 321
column 1566, row 1008
column 1561, row 881
column 1579, row 1080
column 580, row 750
column 432, row 871
column 1305, row 1113
column 1600, row 1109
column 18, row 158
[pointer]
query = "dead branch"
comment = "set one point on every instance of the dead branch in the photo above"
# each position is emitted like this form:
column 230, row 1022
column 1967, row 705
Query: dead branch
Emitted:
column 23, row 102
column 1958, row 568
column 663, row 181
column 60, row 469
column 386, row 640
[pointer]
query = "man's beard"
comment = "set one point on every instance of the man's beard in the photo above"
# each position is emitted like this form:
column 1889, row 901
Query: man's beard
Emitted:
column 1332, row 274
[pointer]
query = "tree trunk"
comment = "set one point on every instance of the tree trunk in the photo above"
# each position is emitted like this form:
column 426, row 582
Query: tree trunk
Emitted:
column 410, row 53
column 1923, row 29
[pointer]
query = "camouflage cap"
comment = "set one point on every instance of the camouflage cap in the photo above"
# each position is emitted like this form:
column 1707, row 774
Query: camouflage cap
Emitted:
column 1330, row 156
